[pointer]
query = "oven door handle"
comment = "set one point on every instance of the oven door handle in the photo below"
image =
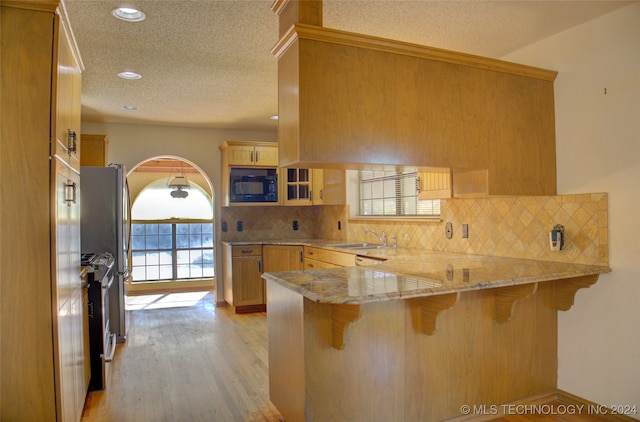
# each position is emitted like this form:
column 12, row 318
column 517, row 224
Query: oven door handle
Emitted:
column 112, row 351
column 108, row 286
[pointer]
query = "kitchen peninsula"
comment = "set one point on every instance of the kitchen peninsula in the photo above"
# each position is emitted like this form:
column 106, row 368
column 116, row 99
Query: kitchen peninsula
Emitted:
column 417, row 336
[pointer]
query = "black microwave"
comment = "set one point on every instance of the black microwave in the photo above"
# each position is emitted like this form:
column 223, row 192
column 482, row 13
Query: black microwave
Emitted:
column 253, row 185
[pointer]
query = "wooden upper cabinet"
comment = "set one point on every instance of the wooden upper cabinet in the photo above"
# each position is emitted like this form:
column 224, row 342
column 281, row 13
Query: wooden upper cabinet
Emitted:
column 303, row 186
column 291, row 12
column 251, row 154
column 246, row 154
column 328, row 187
column 68, row 99
column 94, row 150
column 435, row 183
column 317, row 187
column 387, row 103
column 266, row 156
column 296, row 186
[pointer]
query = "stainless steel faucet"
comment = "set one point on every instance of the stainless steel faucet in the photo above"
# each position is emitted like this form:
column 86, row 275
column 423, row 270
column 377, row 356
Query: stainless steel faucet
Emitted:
column 382, row 238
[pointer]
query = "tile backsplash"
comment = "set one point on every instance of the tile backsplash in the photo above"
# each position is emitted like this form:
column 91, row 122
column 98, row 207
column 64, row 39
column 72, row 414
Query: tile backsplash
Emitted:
column 515, row 226
column 264, row 223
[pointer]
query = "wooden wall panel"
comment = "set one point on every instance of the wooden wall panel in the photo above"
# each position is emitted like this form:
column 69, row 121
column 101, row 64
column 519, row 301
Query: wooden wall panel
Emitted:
column 26, row 314
column 384, row 367
column 286, row 351
column 351, row 101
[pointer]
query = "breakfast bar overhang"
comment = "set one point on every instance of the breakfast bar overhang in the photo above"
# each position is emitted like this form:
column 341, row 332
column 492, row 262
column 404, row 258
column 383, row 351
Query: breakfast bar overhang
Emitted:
column 418, row 337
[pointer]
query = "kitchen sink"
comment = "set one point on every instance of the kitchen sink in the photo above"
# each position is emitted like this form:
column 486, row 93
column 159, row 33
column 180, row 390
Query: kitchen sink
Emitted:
column 359, row 245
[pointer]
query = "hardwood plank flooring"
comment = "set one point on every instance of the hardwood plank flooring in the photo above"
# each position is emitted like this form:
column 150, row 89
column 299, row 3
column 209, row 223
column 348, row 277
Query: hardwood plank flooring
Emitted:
column 187, row 360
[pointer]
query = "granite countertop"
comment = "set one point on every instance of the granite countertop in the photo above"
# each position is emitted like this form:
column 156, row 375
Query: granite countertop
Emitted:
column 408, row 273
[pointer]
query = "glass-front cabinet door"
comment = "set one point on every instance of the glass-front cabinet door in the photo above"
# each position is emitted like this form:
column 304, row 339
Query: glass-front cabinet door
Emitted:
column 298, row 186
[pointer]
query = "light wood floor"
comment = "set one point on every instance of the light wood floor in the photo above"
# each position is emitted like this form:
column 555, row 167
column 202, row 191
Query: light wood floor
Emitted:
column 187, row 360
column 187, row 363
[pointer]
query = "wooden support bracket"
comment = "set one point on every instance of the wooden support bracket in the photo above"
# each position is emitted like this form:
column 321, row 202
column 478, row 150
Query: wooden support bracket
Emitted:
column 506, row 297
column 425, row 311
column 341, row 316
column 566, row 290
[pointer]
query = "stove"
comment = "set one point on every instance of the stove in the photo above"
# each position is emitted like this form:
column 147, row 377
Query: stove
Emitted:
column 100, row 264
column 102, row 342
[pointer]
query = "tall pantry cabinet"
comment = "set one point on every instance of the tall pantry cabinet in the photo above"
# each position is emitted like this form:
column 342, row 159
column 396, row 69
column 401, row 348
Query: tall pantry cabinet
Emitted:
column 42, row 359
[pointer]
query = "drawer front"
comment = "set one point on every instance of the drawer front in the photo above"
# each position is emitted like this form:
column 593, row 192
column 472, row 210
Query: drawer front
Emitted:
column 312, row 264
column 342, row 259
column 363, row 260
column 310, row 252
column 246, row 250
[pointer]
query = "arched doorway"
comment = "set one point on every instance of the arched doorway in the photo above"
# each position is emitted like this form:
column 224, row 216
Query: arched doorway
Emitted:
column 172, row 239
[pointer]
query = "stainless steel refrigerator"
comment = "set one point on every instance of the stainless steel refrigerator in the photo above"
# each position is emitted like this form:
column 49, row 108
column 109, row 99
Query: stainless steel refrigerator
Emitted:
column 105, row 225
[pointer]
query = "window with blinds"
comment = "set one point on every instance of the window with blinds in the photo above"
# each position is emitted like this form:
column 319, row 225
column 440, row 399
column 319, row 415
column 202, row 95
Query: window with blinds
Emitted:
column 393, row 194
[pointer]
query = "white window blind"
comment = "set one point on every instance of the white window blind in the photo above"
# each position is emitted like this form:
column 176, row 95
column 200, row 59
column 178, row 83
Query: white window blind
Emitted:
column 387, row 193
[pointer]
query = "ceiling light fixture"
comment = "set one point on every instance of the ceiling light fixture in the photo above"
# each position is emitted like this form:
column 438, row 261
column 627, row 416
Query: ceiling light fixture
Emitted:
column 178, row 185
column 130, row 107
column 128, row 14
column 129, row 75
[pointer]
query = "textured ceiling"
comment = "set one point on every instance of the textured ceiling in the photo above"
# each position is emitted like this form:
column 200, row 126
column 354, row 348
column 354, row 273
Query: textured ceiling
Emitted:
column 207, row 63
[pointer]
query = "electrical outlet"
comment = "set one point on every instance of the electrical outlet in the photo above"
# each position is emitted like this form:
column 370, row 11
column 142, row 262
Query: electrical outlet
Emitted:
column 225, row 227
column 465, row 231
column 239, row 226
column 295, row 225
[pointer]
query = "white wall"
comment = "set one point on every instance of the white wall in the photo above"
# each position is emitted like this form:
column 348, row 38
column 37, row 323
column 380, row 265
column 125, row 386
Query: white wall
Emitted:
column 598, row 150
column 132, row 144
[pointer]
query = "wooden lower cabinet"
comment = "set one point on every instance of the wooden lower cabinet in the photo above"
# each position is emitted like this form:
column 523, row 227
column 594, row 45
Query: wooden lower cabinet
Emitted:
column 71, row 334
column 282, row 257
column 243, row 265
column 242, row 274
column 315, row 258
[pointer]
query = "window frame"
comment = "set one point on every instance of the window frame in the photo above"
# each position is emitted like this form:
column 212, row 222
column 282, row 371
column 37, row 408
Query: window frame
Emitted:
column 355, row 197
column 174, row 251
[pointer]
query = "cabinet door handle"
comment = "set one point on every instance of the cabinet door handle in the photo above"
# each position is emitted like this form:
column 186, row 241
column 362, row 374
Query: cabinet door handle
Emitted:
column 112, row 350
column 251, row 157
column 70, row 192
column 301, row 257
column 321, row 193
column 259, row 266
column 246, row 250
column 257, row 156
column 71, row 141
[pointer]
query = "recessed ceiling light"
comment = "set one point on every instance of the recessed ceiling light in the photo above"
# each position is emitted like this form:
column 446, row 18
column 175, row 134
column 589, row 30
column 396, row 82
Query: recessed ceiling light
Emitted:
column 128, row 14
column 274, row 117
column 130, row 107
column 129, row 75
